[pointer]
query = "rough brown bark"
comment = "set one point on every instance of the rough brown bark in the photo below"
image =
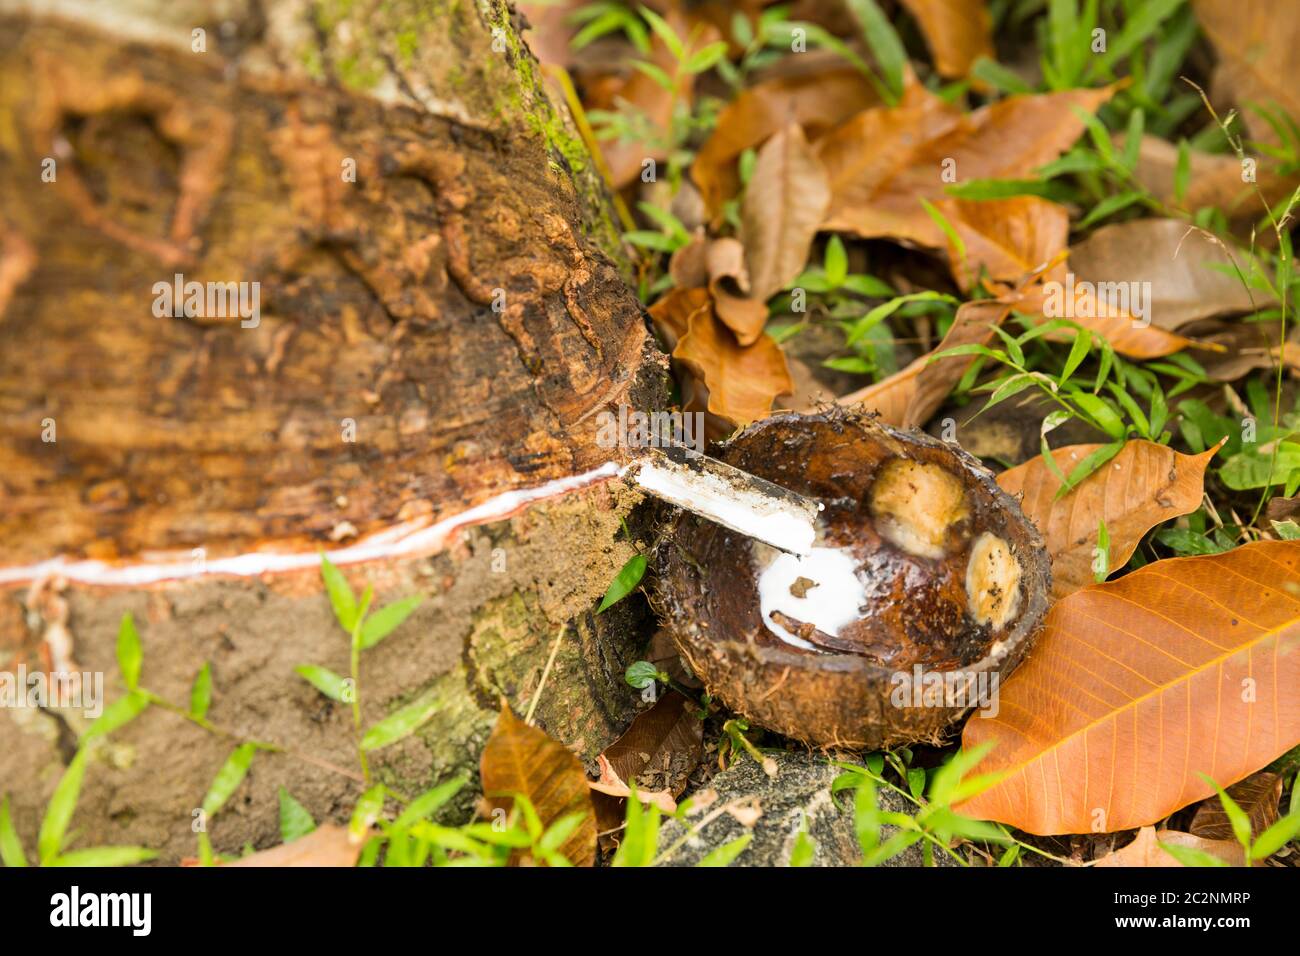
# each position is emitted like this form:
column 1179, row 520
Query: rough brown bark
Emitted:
column 379, row 389
column 376, row 301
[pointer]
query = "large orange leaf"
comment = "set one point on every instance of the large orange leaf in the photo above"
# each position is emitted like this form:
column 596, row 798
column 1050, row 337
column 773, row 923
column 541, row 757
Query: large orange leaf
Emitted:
column 1142, row 486
column 520, row 759
column 1138, row 686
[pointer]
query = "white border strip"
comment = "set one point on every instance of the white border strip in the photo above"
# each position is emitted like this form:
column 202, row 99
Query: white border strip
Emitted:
column 404, row 540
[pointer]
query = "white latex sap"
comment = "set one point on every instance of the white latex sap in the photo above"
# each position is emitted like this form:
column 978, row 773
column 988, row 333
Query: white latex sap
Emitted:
column 834, row 602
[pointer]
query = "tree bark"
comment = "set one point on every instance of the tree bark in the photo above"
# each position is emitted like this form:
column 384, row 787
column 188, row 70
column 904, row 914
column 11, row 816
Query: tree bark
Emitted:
column 439, row 319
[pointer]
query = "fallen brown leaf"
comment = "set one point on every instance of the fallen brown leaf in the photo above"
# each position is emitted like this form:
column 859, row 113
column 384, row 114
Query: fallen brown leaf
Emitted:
column 671, row 316
column 725, row 264
column 689, row 265
column 958, row 32
column 889, row 397
column 911, row 395
column 1127, row 335
column 1282, row 509
column 672, row 313
column 783, row 205
column 1138, row 686
column 884, row 161
column 1004, row 238
column 612, row 785
column 1259, row 795
column 729, row 284
column 866, row 155
column 1145, row 850
column 809, row 391
column 327, row 845
column 1144, row 485
column 973, row 323
column 695, row 401
column 816, row 102
column 666, row 741
column 1256, row 43
column 1184, row 266
column 1214, row 180
column 519, row 759
column 1245, row 346
column 742, row 380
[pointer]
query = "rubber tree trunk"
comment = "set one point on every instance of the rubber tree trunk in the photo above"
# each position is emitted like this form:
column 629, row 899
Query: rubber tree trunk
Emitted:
column 431, row 320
